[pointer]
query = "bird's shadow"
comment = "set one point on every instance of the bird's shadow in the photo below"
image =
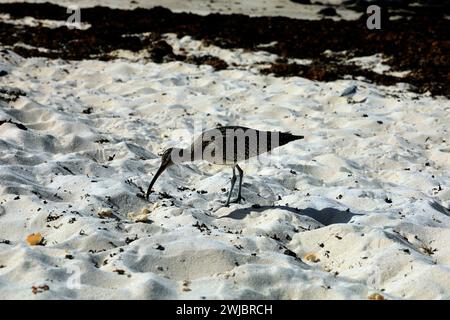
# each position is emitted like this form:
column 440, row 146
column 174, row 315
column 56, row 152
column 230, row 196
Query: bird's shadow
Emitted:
column 325, row 216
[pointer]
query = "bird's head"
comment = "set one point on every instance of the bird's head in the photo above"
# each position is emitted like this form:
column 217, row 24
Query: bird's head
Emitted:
column 166, row 161
column 166, row 157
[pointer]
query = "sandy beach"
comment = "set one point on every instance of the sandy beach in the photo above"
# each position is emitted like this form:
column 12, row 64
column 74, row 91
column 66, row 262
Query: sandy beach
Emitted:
column 359, row 209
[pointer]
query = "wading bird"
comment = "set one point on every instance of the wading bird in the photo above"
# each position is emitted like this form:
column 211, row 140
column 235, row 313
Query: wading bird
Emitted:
column 226, row 146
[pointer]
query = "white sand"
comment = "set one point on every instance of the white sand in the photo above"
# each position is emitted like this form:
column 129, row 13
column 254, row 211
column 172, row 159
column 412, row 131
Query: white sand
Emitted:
column 70, row 166
column 255, row 8
column 32, row 22
column 64, row 178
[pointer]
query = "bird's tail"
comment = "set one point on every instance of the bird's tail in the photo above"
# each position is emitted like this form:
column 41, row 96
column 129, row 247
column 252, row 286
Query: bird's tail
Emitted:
column 286, row 137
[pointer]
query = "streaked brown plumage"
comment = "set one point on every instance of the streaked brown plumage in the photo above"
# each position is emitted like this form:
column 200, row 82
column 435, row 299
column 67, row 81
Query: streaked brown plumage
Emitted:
column 227, row 146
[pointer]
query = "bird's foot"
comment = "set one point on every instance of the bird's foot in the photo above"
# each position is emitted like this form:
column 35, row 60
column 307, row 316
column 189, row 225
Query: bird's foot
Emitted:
column 225, row 203
column 238, row 200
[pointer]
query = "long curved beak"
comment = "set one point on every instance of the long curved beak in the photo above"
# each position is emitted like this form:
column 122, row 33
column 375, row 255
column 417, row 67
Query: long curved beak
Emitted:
column 157, row 174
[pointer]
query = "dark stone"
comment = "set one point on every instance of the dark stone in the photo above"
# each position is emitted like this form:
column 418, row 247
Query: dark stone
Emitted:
column 329, row 11
column 160, row 50
column 215, row 62
column 18, row 125
column 302, row 1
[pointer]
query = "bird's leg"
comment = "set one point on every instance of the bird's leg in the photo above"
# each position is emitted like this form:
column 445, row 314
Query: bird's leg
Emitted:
column 233, row 181
column 241, row 174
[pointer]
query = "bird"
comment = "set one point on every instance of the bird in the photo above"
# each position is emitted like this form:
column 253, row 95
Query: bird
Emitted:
column 225, row 145
column 349, row 92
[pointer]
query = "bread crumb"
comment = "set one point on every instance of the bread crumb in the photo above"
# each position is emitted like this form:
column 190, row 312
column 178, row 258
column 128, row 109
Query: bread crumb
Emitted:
column 35, row 239
column 39, row 289
column 184, row 285
column 375, row 296
column 141, row 216
column 105, row 213
column 311, row 257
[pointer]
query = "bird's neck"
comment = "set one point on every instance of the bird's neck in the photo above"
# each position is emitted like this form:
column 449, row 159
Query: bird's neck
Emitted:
column 180, row 155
